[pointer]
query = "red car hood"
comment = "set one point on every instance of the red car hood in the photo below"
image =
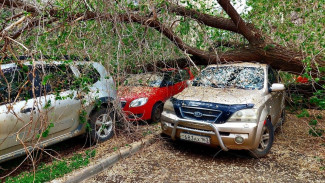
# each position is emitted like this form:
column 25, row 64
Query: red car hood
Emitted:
column 128, row 93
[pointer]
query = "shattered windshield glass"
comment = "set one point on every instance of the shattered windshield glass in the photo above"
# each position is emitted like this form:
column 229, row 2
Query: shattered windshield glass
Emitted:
column 250, row 78
column 145, row 79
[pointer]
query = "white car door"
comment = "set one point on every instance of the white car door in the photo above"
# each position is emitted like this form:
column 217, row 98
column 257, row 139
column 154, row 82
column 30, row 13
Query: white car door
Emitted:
column 61, row 107
column 18, row 110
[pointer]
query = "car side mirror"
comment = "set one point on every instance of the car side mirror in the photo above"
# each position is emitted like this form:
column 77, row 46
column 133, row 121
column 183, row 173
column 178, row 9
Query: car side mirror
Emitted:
column 189, row 83
column 277, row 87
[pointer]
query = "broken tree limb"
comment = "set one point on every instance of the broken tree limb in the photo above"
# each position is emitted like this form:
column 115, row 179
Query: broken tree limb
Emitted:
column 261, row 48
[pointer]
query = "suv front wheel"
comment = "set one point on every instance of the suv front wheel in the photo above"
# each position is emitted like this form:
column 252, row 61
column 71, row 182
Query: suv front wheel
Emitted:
column 266, row 141
column 102, row 125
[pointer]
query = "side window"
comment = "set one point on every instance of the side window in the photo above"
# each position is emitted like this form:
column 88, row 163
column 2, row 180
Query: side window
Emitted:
column 168, row 79
column 177, row 77
column 180, row 75
column 14, row 85
column 184, row 75
column 89, row 73
column 54, row 78
column 271, row 76
column 277, row 76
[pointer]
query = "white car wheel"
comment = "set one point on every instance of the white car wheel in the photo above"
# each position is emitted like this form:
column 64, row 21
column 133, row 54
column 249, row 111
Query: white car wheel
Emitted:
column 102, row 125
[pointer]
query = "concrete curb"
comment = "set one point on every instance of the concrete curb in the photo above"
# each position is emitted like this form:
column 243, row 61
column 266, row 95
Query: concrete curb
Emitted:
column 106, row 162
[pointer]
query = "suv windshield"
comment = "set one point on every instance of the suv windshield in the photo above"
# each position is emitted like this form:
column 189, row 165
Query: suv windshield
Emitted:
column 146, row 79
column 231, row 76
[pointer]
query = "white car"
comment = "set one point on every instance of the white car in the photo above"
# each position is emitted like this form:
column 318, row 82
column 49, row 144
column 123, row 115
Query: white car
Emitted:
column 234, row 106
column 44, row 103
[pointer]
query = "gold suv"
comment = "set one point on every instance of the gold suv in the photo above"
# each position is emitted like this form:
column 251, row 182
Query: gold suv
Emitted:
column 234, row 106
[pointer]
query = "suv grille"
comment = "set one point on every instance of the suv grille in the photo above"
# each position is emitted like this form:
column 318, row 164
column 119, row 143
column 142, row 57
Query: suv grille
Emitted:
column 207, row 111
column 204, row 114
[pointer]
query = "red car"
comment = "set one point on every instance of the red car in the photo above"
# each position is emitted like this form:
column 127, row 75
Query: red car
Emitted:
column 143, row 95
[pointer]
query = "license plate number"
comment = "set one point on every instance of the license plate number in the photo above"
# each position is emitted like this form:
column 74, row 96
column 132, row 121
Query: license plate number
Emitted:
column 195, row 138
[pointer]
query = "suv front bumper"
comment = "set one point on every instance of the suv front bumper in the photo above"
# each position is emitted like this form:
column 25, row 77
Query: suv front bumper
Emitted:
column 222, row 135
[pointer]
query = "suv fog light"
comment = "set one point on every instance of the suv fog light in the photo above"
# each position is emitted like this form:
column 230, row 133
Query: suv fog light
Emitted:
column 164, row 126
column 239, row 139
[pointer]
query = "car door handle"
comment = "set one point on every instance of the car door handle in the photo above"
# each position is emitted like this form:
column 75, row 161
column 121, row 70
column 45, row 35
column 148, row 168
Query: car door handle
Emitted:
column 27, row 110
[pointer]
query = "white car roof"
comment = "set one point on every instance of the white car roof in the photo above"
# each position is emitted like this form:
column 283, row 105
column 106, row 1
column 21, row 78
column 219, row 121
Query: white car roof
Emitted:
column 6, row 66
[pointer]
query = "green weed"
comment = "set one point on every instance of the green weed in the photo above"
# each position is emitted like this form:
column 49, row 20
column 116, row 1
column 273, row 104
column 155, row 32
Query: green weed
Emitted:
column 45, row 173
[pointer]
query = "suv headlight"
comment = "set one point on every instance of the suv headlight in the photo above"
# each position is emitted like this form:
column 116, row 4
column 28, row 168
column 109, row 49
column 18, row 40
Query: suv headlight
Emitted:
column 245, row 115
column 138, row 102
column 168, row 106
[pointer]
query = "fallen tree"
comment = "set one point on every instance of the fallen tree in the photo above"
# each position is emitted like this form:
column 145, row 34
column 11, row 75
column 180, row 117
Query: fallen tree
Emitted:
column 260, row 48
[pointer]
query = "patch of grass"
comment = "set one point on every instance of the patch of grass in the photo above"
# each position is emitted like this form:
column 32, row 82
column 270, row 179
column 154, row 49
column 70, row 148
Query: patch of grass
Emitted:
column 147, row 133
column 304, row 113
column 55, row 170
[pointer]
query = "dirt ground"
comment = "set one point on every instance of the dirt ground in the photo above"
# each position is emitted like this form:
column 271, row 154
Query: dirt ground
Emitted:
column 295, row 156
column 79, row 145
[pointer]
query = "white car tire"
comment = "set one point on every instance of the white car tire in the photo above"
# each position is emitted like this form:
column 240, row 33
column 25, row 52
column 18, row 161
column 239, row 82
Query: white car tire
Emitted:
column 102, row 125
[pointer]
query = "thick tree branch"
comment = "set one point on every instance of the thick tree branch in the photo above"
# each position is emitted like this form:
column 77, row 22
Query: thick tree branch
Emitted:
column 277, row 56
column 229, row 44
column 209, row 20
column 239, row 22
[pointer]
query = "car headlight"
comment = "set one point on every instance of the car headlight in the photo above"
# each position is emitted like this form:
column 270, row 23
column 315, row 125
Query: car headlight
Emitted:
column 245, row 115
column 138, row 102
column 168, row 106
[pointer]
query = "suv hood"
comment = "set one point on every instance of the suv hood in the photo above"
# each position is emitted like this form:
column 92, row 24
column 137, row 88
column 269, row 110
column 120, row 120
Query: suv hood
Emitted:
column 221, row 95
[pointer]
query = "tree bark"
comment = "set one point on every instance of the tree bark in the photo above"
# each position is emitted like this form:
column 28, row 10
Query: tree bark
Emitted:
column 209, row 20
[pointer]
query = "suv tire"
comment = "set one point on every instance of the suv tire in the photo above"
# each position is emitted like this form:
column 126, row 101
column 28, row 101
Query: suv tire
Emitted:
column 283, row 116
column 266, row 141
column 102, row 125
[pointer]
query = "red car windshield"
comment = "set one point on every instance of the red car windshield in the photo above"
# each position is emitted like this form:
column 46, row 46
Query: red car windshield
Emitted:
column 145, row 79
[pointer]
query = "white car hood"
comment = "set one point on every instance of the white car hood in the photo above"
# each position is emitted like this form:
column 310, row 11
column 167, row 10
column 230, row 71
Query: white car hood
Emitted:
column 221, row 95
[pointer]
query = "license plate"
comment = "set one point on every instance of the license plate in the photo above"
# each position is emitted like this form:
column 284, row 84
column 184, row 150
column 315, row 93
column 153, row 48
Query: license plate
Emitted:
column 195, row 138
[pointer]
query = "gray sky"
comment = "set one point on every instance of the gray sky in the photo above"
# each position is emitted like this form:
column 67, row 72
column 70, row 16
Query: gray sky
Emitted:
column 241, row 5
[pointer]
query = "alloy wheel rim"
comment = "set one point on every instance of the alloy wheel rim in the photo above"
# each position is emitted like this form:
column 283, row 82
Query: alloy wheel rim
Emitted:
column 104, row 125
column 265, row 138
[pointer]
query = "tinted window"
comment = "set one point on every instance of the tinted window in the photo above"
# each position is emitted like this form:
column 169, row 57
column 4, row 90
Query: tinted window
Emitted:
column 14, row 85
column 168, row 79
column 181, row 75
column 272, row 76
column 54, row 78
